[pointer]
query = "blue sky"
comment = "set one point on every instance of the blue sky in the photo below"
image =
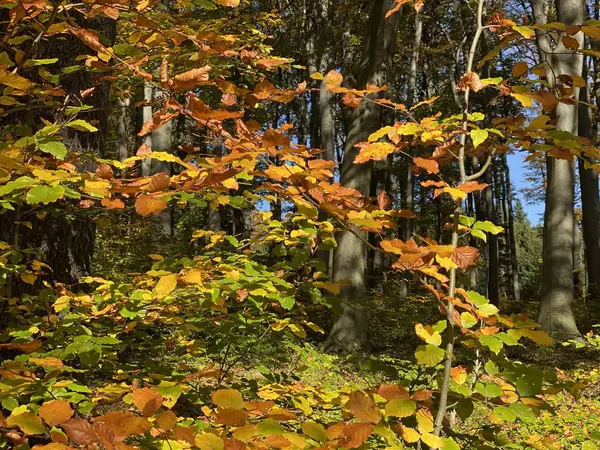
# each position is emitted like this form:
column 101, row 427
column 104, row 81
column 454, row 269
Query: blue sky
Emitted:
column 517, row 175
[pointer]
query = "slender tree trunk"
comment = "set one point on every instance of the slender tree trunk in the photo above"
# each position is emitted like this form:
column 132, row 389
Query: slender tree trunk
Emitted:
column 516, row 291
column 146, row 116
column 349, row 331
column 556, row 312
column 122, row 128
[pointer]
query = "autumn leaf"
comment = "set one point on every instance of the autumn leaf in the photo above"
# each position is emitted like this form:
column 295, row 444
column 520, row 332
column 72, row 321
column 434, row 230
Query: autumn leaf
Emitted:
column 56, row 412
column 227, row 398
column 383, row 200
column 465, row 257
column 112, row 204
column 166, row 420
column 355, row 434
column 146, row 401
column 27, row 422
column 165, row 285
column 158, row 120
column 27, row 347
column 229, row 3
column 80, row 431
column 15, row 81
column 373, row 151
column 146, row 205
column 470, row 81
column 231, row 416
column 158, row 182
column 191, row 78
column 429, row 165
column 363, row 407
column 472, row 186
column 519, row 69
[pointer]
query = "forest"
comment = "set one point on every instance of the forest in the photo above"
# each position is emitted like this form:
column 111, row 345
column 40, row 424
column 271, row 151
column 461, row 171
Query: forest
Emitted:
column 299, row 224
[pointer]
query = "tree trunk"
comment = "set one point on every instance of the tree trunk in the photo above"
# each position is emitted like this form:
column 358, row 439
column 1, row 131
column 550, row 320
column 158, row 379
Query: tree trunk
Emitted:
column 146, row 116
column 516, row 291
column 493, row 262
column 122, row 128
column 349, row 331
column 590, row 202
column 556, row 313
column 66, row 237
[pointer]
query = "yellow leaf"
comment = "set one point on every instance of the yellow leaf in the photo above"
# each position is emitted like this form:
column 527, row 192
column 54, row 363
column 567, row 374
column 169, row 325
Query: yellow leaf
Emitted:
column 165, row 285
column 525, row 100
column 298, row 330
column 15, row 81
column 374, row 151
column 410, row 435
column 424, row 421
column 428, row 334
column 208, row 441
column 334, row 288
column 227, row 398
column 193, row 276
column 28, row 422
column 432, row 440
column 537, row 336
column 97, row 188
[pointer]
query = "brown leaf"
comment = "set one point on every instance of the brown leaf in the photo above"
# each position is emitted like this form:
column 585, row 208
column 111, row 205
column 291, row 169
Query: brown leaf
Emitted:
column 184, row 434
column 383, row 200
column 106, row 436
column 143, row 151
column 166, row 420
column 191, row 78
column 146, row 205
column 429, row 165
column 164, row 71
column 465, row 257
column 56, row 412
column 80, row 431
column 392, row 391
column 158, row 120
column 470, row 80
column 146, row 400
column 28, row 347
column 570, row 42
column 355, row 434
column 105, row 172
column 159, row 182
column 112, row 204
column 124, row 424
column 363, row 407
column 231, row 416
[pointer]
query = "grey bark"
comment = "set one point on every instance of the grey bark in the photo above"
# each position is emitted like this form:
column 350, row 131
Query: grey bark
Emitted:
column 146, row 116
column 556, row 312
column 590, row 202
column 349, row 331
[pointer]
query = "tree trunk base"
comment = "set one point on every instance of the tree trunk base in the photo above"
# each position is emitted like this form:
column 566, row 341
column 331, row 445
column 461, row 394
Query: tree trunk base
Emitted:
column 349, row 332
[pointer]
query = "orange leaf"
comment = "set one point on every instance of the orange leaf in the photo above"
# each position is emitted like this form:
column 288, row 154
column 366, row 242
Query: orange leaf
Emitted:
column 158, row 182
column 392, row 391
column 166, row 420
column 191, row 78
column 113, row 204
column 230, row 3
column 232, row 417
column 472, row 186
column 383, row 200
column 80, row 431
column 146, row 400
column 105, row 172
column 471, row 81
column 124, row 424
column 429, row 165
column 373, row 151
column 158, row 120
column 146, row 205
column 28, row 347
column 164, row 71
column 355, row 434
column 56, row 412
column 465, row 257
column 363, row 407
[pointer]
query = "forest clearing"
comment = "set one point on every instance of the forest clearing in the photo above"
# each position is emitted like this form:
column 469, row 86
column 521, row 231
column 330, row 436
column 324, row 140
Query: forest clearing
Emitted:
column 299, row 224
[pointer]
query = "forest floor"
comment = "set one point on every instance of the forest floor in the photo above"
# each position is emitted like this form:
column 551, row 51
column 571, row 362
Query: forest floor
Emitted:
column 568, row 423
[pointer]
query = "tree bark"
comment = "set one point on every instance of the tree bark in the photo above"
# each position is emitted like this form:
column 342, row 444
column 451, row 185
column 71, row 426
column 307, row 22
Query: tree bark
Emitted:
column 349, row 331
column 516, row 291
column 556, row 312
column 590, row 202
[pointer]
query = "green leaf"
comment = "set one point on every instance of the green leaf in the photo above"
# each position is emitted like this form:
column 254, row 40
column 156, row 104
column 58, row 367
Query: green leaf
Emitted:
column 89, row 353
column 477, row 299
column 489, row 390
column 269, row 426
column 466, row 220
column 491, row 342
column 488, row 310
column 522, row 411
column 479, row 234
column 478, row 136
column 491, row 368
column 507, row 338
column 287, row 302
column 526, row 32
column 55, row 148
column 45, row 194
column 400, row 407
column 429, row 355
column 504, row 414
column 82, row 125
column 315, row 431
column 529, row 386
column 589, row 445
column 488, row 227
column 19, row 183
column 450, row 444
column 468, row 320
column 28, row 422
